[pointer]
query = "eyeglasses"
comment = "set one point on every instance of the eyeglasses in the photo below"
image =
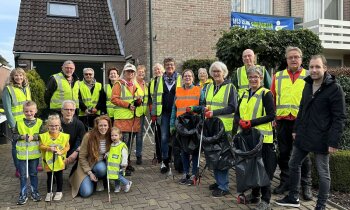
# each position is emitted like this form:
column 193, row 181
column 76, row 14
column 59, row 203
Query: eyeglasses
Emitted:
column 71, row 110
column 88, row 74
column 253, row 77
column 293, row 57
column 54, row 126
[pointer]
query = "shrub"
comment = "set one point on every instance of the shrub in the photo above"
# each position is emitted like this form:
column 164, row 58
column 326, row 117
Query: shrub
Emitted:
column 339, row 165
column 37, row 87
column 195, row 64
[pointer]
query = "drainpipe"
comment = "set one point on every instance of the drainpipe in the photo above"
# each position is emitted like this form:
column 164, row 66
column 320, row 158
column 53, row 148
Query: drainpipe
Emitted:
column 150, row 38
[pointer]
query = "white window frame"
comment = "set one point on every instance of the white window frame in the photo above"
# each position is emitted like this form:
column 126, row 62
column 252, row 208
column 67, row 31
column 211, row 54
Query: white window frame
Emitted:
column 242, row 7
column 49, row 13
column 322, row 5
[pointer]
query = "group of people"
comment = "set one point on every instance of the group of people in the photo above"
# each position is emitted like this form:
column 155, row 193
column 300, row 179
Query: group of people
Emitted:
column 306, row 108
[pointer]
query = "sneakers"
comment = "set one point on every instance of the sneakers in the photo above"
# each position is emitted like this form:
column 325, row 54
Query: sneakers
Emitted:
column 127, row 187
column 164, row 168
column 283, row 187
column 288, row 201
column 48, row 197
column 139, row 160
column 263, row 206
column 250, row 198
column 219, row 193
column 184, row 179
column 17, row 174
column 191, row 180
column 99, row 186
column 306, row 192
column 22, row 199
column 117, row 188
column 36, row 197
column 213, row 186
column 58, row 196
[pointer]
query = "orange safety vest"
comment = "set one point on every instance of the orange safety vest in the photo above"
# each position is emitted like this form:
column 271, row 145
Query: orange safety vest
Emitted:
column 186, row 98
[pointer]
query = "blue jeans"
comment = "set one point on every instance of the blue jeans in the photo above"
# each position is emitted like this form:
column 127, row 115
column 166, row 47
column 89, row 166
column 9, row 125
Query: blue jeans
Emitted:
column 221, row 178
column 87, row 186
column 322, row 165
column 121, row 179
column 186, row 162
column 165, row 134
column 139, row 138
column 14, row 155
column 33, row 174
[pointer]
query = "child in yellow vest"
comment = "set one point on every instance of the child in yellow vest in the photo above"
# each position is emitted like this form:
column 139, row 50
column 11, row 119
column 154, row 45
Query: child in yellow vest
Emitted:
column 117, row 161
column 54, row 142
column 26, row 135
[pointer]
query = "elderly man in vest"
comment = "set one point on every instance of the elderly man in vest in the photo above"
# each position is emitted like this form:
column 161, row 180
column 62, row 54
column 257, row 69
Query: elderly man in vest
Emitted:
column 162, row 105
column 287, row 87
column 240, row 79
column 92, row 98
column 62, row 86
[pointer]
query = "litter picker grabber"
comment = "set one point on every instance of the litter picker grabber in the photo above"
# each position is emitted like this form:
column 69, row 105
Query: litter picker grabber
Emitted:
column 52, row 173
column 108, row 186
column 154, row 161
column 171, row 160
column 27, row 157
column 199, row 175
column 131, row 138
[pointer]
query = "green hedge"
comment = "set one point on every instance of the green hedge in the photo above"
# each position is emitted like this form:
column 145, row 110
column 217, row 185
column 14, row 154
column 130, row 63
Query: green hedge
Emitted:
column 339, row 165
column 195, row 64
column 37, row 87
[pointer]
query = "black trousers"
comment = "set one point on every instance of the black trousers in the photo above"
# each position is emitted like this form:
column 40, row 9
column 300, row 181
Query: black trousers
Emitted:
column 270, row 163
column 285, row 146
column 59, row 180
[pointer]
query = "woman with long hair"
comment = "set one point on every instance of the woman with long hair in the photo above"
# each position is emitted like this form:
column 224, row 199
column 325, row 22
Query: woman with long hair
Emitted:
column 91, row 166
column 15, row 94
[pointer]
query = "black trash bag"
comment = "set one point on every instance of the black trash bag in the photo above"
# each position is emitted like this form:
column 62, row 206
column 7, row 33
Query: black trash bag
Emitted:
column 186, row 127
column 175, row 152
column 250, row 170
column 216, row 144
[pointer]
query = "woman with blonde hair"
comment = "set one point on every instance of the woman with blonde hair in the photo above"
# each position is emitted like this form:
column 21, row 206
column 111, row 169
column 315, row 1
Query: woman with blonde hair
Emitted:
column 91, row 165
column 15, row 94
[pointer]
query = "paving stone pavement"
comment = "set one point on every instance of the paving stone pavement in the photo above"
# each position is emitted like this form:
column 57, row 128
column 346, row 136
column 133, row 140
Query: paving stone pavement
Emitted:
column 150, row 190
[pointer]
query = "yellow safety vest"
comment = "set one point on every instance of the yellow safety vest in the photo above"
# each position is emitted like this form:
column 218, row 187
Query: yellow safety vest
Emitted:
column 18, row 99
column 242, row 80
column 33, row 146
column 110, row 106
column 122, row 113
column 60, row 143
column 220, row 101
column 114, row 160
column 90, row 100
column 142, row 110
column 254, row 108
column 64, row 92
column 157, row 96
column 288, row 94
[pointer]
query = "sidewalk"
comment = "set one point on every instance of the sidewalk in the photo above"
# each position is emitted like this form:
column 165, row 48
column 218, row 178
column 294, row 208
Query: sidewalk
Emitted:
column 150, row 190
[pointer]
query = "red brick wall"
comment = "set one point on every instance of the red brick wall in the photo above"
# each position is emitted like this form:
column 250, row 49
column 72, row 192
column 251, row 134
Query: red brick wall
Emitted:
column 4, row 74
column 346, row 10
column 281, row 7
column 298, row 8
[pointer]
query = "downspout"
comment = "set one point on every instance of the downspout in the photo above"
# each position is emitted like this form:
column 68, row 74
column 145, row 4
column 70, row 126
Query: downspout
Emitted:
column 150, row 38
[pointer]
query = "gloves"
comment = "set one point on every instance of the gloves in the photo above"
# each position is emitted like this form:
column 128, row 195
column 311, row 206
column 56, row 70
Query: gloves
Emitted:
column 245, row 124
column 172, row 130
column 205, row 109
column 154, row 118
column 138, row 102
column 208, row 114
column 189, row 109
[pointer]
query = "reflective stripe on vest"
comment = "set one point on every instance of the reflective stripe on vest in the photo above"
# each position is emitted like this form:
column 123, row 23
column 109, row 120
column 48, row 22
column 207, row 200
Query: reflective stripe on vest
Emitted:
column 253, row 109
column 109, row 104
column 288, row 94
column 186, row 98
column 33, row 146
column 220, row 101
column 90, row 100
column 64, row 92
column 18, row 99
column 142, row 110
column 60, row 143
column 242, row 80
column 122, row 113
column 157, row 95
column 114, row 160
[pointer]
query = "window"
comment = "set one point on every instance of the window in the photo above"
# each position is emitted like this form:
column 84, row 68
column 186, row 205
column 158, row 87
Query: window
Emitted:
column 127, row 11
column 325, row 9
column 252, row 6
column 62, row 9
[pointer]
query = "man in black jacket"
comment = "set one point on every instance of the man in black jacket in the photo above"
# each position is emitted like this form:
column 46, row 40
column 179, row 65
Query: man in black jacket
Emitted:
column 318, row 129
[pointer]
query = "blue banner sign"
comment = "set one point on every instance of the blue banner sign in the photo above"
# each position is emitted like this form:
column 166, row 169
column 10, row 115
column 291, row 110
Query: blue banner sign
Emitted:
column 247, row 21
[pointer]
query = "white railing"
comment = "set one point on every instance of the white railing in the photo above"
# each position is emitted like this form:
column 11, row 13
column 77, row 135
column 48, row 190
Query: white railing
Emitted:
column 334, row 34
